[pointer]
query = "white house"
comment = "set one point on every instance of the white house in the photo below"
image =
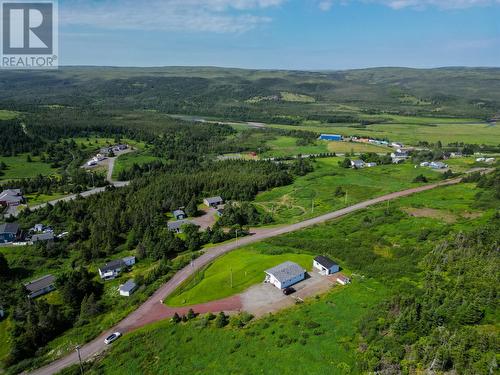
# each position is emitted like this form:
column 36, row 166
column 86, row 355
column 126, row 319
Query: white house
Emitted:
column 325, row 265
column 213, row 201
column 112, row 269
column 38, row 287
column 284, row 275
column 128, row 288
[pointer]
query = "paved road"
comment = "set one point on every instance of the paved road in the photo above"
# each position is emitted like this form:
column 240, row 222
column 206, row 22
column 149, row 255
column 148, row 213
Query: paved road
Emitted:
column 153, row 310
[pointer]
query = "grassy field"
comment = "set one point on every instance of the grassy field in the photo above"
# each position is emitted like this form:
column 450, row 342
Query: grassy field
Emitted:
column 411, row 130
column 34, row 199
column 7, row 115
column 126, row 161
column 18, row 167
column 343, row 147
column 319, row 332
column 244, row 266
column 314, row 194
column 383, row 247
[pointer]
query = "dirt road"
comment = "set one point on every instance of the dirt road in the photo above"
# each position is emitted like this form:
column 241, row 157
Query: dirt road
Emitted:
column 153, row 310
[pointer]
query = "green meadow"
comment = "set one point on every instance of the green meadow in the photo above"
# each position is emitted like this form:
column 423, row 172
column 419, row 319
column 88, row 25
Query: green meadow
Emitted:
column 18, row 167
column 7, row 115
column 126, row 161
column 382, row 246
column 314, row 194
column 233, row 273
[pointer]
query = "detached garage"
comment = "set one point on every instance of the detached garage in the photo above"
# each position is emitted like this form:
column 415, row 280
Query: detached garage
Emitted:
column 325, row 265
column 284, row 275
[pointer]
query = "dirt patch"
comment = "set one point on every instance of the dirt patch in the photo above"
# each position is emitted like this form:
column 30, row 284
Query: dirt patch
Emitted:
column 445, row 216
column 207, row 219
column 472, row 215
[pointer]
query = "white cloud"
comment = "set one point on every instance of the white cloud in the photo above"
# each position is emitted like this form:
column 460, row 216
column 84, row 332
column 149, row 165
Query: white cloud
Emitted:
column 172, row 15
column 415, row 4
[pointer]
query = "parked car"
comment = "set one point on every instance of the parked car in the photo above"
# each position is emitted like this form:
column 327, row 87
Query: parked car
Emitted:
column 114, row 336
column 288, row 291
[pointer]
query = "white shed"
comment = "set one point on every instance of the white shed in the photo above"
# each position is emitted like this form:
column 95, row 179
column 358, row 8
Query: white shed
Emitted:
column 284, row 275
column 325, row 265
column 128, row 288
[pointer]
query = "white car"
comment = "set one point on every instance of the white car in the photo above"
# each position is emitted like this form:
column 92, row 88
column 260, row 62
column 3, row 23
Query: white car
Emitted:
column 114, row 336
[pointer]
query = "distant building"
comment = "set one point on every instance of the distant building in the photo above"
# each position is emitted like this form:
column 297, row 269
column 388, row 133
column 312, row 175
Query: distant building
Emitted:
column 424, row 164
column 398, row 157
column 330, row 137
column 370, row 165
column 325, row 265
column 438, row 165
column 38, row 287
column 128, row 288
column 357, row 164
column 220, row 212
column 179, row 214
column 284, row 275
column 9, row 232
column 47, row 236
column 176, row 226
column 38, row 228
column 213, row 201
column 11, row 197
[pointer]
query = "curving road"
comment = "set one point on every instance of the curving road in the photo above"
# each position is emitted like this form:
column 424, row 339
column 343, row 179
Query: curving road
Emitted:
column 153, row 310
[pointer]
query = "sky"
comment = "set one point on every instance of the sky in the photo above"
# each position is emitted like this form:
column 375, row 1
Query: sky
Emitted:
column 280, row 34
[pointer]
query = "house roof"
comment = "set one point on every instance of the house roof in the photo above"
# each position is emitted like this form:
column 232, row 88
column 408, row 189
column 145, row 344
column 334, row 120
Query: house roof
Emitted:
column 39, row 284
column 285, row 271
column 179, row 212
column 9, row 228
column 11, row 195
column 42, row 237
column 325, row 261
column 358, row 162
column 174, row 225
column 129, row 286
column 113, row 265
column 212, row 200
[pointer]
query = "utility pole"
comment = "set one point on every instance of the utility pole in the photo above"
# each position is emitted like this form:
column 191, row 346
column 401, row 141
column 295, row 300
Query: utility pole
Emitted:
column 79, row 358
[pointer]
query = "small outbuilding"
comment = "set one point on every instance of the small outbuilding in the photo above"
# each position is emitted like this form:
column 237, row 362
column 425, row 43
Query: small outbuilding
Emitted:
column 38, row 287
column 179, row 215
column 325, row 265
column 357, row 164
column 129, row 261
column 48, row 236
column 342, row 279
column 128, row 288
column 284, row 275
column 213, row 201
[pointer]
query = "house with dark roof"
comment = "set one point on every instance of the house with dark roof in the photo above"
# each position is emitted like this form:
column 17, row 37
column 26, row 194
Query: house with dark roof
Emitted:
column 285, row 274
column 325, row 265
column 213, row 201
column 47, row 236
column 112, row 269
column 38, row 287
column 179, row 215
column 176, row 226
column 357, row 164
column 11, row 197
column 9, row 232
column 128, row 288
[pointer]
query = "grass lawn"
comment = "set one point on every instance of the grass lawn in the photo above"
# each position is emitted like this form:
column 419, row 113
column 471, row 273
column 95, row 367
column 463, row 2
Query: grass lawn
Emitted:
column 126, row 161
column 246, row 267
column 321, row 333
column 7, row 115
column 18, row 167
column 34, row 199
column 4, row 338
column 287, row 146
column 295, row 202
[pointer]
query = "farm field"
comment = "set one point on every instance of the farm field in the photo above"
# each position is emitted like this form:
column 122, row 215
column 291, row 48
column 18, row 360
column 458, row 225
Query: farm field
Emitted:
column 126, row 161
column 244, row 266
column 18, row 167
column 37, row 198
column 414, row 131
column 315, row 193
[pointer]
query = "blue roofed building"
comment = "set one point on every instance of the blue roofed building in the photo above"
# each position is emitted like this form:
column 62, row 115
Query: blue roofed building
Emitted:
column 330, row 137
